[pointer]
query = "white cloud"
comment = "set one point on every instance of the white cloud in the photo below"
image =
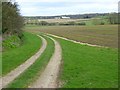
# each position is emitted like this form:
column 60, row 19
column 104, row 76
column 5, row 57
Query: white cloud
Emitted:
column 58, row 7
column 99, row 1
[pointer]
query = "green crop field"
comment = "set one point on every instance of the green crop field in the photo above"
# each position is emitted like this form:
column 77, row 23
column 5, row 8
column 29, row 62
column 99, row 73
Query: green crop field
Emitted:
column 16, row 56
column 104, row 35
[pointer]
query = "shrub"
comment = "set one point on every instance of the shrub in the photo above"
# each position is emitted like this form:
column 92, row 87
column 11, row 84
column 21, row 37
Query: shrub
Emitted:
column 102, row 23
column 71, row 23
column 43, row 23
column 11, row 42
column 81, row 23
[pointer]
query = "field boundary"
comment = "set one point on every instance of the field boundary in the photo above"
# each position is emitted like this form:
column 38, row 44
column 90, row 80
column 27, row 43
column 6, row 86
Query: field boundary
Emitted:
column 20, row 69
column 76, row 41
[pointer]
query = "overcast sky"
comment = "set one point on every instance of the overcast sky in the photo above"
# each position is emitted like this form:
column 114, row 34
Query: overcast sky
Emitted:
column 64, row 7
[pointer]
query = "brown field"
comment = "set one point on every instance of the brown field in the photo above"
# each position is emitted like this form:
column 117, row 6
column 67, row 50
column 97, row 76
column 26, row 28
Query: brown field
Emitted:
column 104, row 35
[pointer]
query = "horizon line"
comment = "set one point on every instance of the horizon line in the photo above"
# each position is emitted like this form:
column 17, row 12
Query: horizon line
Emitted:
column 68, row 14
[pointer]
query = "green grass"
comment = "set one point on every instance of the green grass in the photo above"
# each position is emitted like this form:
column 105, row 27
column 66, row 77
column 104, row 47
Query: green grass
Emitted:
column 16, row 56
column 88, row 67
column 11, row 42
column 31, row 74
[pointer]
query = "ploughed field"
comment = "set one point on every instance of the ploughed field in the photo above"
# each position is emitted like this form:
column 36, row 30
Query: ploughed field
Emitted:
column 103, row 35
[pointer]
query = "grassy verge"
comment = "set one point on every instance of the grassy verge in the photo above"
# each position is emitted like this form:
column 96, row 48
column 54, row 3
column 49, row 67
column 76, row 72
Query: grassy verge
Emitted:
column 88, row 67
column 16, row 56
column 31, row 74
column 11, row 42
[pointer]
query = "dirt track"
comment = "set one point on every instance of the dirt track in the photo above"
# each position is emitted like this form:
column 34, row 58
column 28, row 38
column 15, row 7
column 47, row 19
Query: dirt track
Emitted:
column 20, row 69
column 48, row 78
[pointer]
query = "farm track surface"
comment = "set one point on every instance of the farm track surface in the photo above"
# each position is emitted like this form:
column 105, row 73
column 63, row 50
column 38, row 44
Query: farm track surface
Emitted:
column 48, row 78
column 75, row 41
column 20, row 69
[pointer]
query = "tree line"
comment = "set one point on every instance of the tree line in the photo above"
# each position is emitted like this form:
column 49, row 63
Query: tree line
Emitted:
column 74, row 16
column 12, row 21
column 45, row 23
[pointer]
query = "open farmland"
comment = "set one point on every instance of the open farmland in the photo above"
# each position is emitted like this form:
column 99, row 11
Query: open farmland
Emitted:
column 85, row 66
column 58, row 20
column 81, row 66
column 59, row 45
column 69, row 21
column 104, row 35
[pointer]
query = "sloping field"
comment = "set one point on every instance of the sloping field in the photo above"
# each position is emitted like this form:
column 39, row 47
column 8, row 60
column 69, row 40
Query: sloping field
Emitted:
column 104, row 35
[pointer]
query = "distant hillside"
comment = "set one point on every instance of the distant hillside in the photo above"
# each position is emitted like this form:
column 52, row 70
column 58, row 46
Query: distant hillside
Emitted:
column 77, row 16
